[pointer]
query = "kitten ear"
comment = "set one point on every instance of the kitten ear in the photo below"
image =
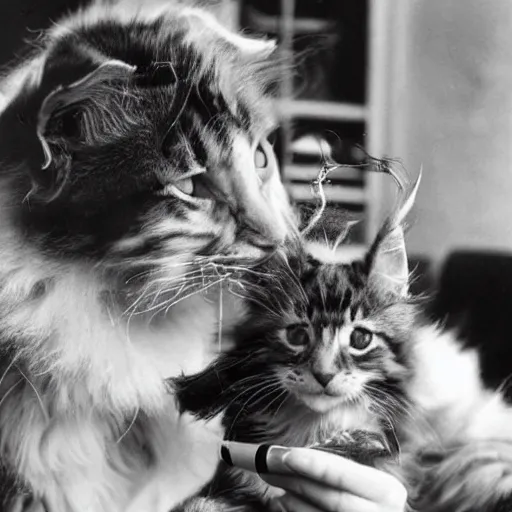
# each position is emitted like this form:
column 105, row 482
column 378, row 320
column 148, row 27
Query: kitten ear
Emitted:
column 387, row 258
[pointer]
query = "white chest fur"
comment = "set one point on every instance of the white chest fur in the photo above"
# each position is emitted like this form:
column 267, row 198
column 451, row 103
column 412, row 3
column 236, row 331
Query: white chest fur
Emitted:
column 67, row 431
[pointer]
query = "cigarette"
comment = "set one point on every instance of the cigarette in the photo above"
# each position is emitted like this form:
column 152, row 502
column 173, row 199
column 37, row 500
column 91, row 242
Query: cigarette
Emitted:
column 258, row 458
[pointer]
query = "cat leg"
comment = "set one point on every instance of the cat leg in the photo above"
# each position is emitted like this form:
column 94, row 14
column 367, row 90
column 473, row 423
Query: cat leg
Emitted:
column 361, row 446
column 205, row 504
column 200, row 504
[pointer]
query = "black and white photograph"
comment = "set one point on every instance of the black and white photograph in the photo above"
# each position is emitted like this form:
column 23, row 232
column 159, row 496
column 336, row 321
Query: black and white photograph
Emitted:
column 255, row 256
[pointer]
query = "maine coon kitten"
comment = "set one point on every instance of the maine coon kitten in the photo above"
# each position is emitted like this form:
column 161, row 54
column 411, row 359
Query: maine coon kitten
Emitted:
column 418, row 386
column 134, row 171
column 324, row 351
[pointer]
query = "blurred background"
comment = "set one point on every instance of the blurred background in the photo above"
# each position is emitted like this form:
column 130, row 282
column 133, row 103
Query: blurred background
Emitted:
column 428, row 82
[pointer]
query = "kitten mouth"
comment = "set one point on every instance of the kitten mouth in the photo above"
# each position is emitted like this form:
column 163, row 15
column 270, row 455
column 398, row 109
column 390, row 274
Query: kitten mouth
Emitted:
column 324, row 402
column 320, row 402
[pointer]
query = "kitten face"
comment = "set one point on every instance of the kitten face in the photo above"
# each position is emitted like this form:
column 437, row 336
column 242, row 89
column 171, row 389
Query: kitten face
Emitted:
column 323, row 347
column 349, row 343
column 334, row 373
column 142, row 141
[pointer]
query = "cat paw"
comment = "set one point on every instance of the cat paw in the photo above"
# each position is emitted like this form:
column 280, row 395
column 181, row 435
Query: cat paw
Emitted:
column 358, row 445
column 468, row 478
column 198, row 504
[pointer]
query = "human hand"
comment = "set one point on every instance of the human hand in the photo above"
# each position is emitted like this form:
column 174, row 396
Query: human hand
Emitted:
column 324, row 482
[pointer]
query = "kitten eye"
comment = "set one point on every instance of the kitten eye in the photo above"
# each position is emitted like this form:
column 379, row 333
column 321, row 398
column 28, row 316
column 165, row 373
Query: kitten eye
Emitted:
column 297, row 336
column 360, row 339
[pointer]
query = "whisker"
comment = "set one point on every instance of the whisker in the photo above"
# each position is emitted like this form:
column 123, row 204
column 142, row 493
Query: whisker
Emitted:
column 38, row 396
column 123, row 435
column 220, row 317
column 282, row 403
column 204, row 288
column 241, row 409
column 269, row 405
column 9, row 366
column 8, row 392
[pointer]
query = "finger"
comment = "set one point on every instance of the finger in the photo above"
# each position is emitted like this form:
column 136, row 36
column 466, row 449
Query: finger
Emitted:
column 344, row 474
column 320, row 497
column 291, row 503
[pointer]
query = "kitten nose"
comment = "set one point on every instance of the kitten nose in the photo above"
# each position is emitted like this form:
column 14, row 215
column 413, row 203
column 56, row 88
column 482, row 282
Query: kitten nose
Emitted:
column 323, row 377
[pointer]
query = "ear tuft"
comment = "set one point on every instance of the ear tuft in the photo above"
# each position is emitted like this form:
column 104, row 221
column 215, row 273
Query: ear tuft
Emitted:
column 387, row 258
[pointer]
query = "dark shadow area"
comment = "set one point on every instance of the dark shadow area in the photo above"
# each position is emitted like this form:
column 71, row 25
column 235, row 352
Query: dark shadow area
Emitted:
column 21, row 20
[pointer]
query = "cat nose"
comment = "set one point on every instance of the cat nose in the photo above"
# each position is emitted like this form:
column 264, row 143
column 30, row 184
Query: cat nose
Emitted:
column 323, row 377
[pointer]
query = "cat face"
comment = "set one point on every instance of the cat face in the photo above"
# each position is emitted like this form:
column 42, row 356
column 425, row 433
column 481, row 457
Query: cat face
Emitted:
column 318, row 342
column 348, row 343
column 139, row 142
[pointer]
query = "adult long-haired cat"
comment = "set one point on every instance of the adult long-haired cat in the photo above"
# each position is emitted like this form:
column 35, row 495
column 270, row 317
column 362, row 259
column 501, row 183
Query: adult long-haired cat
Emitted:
column 134, row 170
column 324, row 352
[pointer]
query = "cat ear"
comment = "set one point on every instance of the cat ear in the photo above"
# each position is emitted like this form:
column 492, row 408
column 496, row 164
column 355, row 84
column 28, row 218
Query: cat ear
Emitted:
column 249, row 48
column 68, row 100
column 73, row 110
column 387, row 258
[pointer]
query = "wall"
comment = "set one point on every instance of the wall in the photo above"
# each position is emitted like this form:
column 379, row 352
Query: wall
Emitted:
column 452, row 114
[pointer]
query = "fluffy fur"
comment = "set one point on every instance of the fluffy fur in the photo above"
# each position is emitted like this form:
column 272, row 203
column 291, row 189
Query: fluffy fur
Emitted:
column 324, row 352
column 459, row 452
column 419, row 387
column 129, row 191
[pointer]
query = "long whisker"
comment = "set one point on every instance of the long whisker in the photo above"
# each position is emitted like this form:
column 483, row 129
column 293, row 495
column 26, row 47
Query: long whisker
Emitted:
column 201, row 290
column 8, row 392
column 9, row 366
column 38, row 396
column 220, row 317
column 123, row 435
column 282, row 403
column 283, row 394
column 260, row 386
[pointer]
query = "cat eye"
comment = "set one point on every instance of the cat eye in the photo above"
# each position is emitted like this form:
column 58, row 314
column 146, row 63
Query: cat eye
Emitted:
column 180, row 188
column 260, row 157
column 360, row 339
column 185, row 188
column 297, row 336
column 272, row 137
column 264, row 160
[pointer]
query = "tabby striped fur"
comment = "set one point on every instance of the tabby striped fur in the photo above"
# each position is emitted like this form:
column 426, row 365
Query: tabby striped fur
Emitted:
column 129, row 192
